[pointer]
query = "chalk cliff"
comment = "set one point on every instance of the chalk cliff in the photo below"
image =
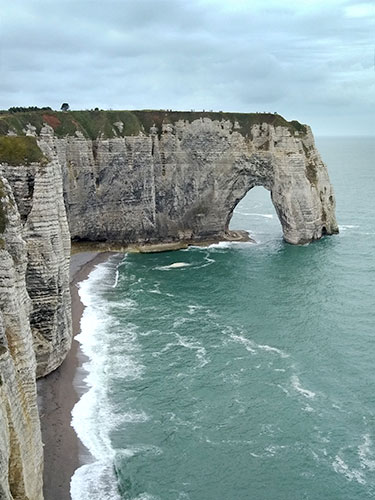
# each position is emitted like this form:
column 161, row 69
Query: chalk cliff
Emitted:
column 21, row 456
column 35, row 320
column 185, row 184
column 37, row 188
column 158, row 176
column 127, row 178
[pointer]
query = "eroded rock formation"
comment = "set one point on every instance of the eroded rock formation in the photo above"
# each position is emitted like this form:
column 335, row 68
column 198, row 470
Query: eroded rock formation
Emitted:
column 21, row 456
column 183, row 182
column 129, row 178
column 35, row 318
column 37, row 188
column 150, row 177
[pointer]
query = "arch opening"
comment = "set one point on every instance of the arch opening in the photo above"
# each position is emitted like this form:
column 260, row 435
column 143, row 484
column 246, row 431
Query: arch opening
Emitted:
column 256, row 214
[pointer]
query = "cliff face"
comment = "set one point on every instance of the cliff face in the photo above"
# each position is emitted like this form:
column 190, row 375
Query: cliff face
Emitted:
column 37, row 188
column 21, row 455
column 141, row 177
column 157, row 176
column 182, row 181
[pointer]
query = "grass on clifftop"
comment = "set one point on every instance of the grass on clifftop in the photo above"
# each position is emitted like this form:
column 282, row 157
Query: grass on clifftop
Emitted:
column 92, row 124
column 19, row 150
column 244, row 120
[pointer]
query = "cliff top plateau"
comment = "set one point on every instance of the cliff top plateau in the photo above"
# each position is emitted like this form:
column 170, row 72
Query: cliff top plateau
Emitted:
column 109, row 124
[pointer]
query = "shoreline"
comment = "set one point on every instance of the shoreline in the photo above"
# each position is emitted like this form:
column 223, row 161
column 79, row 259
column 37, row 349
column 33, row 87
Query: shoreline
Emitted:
column 235, row 236
column 59, row 391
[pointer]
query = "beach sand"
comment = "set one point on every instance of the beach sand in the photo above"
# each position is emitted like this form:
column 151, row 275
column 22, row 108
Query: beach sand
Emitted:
column 57, row 394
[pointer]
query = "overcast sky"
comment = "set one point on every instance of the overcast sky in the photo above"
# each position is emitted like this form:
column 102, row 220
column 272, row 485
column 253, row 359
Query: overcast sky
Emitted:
column 310, row 60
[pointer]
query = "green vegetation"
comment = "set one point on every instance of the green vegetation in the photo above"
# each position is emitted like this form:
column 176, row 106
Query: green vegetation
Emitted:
column 17, row 122
column 245, row 120
column 94, row 123
column 20, row 109
column 312, row 173
column 19, row 150
column 298, row 126
column 90, row 123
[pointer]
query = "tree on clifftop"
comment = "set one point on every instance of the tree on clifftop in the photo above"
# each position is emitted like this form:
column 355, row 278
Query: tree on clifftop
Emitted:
column 64, row 106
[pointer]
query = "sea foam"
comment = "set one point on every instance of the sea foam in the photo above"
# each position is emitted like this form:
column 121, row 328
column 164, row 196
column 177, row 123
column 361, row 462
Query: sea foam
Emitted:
column 253, row 347
column 92, row 417
column 366, row 454
column 266, row 216
column 296, row 384
column 174, row 265
column 341, row 467
column 94, row 481
column 224, row 245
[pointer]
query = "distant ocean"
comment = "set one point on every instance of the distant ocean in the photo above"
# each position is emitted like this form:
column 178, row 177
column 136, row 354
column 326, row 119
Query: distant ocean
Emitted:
column 238, row 371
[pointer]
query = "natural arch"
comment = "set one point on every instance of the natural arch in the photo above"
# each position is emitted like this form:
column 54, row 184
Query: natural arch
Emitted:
column 256, row 214
column 183, row 184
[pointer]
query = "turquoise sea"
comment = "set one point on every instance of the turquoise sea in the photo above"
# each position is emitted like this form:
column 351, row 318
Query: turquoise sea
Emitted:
column 238, row 371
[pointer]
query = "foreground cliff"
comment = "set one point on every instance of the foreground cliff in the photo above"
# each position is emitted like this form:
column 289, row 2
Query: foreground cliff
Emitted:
column 130, row 178
column 35, row 319
column 36, row 183
column 21, row 456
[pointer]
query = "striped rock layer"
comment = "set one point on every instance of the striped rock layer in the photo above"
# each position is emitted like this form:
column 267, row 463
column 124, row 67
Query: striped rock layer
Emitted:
column 170, row 181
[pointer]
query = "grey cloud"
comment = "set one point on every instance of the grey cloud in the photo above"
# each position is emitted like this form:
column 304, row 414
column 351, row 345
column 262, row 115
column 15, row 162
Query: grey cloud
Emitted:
column 198, row 54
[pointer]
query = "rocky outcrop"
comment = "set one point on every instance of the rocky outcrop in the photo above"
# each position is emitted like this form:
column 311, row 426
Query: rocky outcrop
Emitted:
column 158, row 176
column 129, row 178
column 181, row 181
column 37, row 188
column 21, row 456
